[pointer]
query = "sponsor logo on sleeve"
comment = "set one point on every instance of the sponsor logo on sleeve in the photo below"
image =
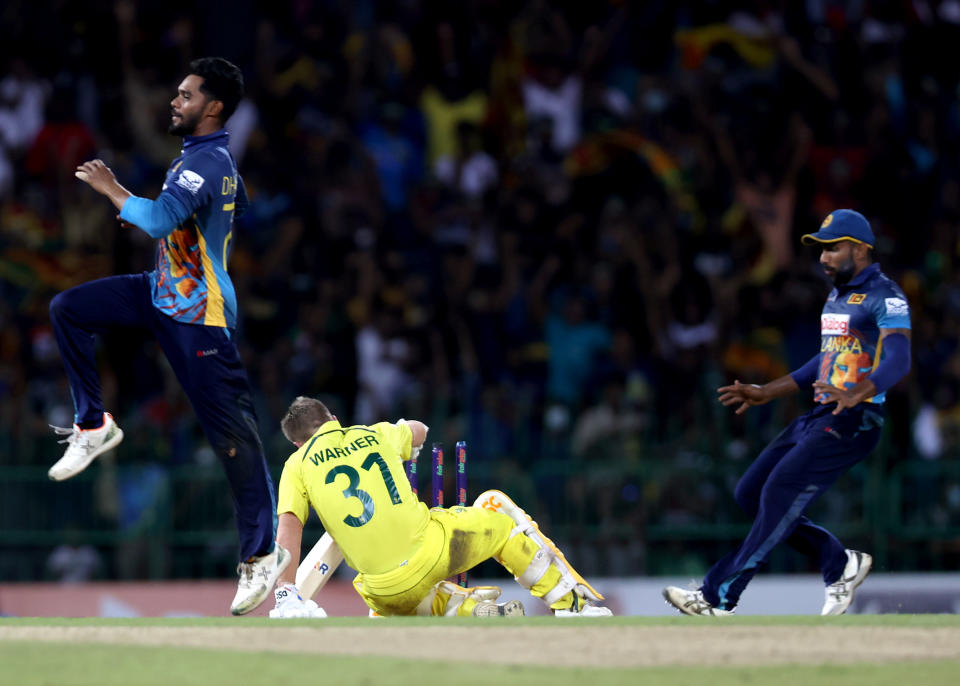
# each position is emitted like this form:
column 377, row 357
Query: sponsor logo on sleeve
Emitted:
column 190, row 180
column 832, row 324
column 856, row 298
column 897, row 307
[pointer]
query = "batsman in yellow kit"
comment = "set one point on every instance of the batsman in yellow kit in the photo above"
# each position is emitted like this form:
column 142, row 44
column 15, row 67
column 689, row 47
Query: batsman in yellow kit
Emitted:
column 353, row 477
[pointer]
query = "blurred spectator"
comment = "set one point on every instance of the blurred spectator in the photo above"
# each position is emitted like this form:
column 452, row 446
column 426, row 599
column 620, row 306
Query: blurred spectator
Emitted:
column 470, row 169
column 382, row 359
column 23, row 98
column 72, row 563
column 602, row 429
column 396, row 154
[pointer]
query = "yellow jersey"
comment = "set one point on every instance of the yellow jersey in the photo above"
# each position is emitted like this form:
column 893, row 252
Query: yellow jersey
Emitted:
column 354, row 479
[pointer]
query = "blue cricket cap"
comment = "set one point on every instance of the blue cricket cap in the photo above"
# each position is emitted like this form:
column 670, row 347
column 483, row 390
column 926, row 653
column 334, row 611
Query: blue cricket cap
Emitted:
column 842, row 225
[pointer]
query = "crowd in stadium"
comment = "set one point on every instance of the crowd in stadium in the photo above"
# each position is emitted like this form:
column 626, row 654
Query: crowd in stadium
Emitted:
column 552, row 229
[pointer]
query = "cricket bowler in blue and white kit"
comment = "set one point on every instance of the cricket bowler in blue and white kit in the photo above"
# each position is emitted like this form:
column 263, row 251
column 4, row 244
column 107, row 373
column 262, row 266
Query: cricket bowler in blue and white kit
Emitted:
column 189, row 305
column 864, row 350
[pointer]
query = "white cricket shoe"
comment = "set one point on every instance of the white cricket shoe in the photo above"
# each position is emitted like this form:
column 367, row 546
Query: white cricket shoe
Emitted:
column 583, row 607
column 257, row 579
column 692, row 602
column 511, row 608
column 83, row 447
column 839, row 594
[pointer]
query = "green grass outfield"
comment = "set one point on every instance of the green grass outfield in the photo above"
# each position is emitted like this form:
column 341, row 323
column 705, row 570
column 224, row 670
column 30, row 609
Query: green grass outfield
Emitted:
column 34, row 663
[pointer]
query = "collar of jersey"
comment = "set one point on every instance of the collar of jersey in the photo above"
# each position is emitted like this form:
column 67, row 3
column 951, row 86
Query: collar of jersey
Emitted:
column 326, row 427
column 216, row 136
column 861, row 278
column 332, row 425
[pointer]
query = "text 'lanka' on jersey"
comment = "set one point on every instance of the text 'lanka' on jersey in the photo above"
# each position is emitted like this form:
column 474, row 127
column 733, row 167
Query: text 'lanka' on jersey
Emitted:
column 190, row 282
column 850, row 327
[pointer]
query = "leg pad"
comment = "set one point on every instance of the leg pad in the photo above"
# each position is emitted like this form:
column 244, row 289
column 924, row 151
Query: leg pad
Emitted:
column 570, row 579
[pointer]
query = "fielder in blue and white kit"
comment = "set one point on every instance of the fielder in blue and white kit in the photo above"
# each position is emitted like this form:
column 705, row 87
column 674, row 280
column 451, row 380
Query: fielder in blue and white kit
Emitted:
column 188, row 303
column 864, row 350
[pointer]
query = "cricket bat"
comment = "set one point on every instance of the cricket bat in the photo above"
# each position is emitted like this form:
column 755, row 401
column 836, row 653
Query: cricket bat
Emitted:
column 318, row 566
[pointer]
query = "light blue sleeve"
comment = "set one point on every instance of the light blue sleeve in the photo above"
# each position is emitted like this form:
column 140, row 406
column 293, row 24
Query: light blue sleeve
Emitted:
column 892, row 309
column 157, row 218
column 188, row 189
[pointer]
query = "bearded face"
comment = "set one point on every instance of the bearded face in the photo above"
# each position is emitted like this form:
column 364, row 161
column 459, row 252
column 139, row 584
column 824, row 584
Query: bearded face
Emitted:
column 188, row 108
column 838, row 263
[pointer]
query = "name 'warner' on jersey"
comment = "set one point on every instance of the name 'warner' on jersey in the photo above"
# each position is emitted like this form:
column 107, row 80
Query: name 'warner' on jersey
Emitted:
column 850, row 327
column 190, row 281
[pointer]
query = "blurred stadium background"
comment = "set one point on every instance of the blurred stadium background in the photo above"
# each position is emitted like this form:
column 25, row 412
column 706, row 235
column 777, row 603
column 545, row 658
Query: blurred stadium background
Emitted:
column 551, row 229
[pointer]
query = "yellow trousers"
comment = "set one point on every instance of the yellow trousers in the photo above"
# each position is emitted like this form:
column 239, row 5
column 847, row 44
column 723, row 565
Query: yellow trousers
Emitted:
column 457, row 539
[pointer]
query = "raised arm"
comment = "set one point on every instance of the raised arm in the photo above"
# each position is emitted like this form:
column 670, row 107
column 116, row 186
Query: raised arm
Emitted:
column 793, row 54
column 155, row 217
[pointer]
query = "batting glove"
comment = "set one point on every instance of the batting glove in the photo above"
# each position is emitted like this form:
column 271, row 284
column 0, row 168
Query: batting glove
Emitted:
column 290, row 605
column 415, row 450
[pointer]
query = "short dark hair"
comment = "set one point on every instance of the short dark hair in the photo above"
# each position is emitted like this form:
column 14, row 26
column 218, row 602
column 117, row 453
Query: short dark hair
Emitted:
column 222, row 80
column 303, row 418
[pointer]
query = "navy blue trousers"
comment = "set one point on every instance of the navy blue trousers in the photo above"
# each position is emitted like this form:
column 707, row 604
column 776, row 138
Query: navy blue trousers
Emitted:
column 785, row 479
column 208, row 365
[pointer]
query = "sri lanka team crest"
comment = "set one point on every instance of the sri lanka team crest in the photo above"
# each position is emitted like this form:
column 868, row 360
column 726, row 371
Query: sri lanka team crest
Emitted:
column 827, row 222
column 856, row 298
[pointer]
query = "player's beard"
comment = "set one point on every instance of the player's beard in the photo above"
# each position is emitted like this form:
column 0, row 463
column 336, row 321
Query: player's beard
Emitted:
column 842, row 275
column 185, row 127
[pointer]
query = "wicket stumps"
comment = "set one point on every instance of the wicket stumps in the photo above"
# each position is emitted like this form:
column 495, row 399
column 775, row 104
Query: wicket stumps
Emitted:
column 437, row 474
column 460, row 453
column 460, row 456
column 412, row 476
